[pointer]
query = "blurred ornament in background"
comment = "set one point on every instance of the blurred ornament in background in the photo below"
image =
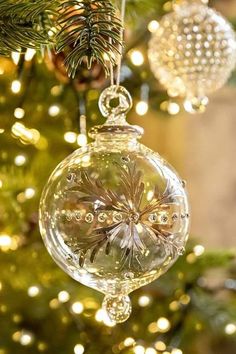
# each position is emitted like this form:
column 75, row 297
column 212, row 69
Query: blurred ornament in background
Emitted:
column 84, row 79
column 114, row 215
column 193, row 53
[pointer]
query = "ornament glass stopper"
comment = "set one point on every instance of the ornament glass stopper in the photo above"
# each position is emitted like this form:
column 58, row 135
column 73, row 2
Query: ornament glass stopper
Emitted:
column 114, row 215
column 193, row 52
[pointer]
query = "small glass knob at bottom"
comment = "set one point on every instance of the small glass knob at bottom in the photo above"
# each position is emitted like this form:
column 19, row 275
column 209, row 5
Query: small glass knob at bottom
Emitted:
column 118, row 308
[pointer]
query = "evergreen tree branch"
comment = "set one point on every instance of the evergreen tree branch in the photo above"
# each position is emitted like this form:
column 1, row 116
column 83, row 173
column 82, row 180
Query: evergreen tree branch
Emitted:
column 22, row 24
column 89, row 30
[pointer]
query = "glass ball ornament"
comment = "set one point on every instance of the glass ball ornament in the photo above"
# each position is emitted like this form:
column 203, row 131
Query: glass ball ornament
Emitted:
column 114, row 215
column 193, row 52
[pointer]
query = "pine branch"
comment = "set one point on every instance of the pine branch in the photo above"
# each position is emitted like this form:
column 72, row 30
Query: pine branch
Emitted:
column 88, row 30
column 22, row 24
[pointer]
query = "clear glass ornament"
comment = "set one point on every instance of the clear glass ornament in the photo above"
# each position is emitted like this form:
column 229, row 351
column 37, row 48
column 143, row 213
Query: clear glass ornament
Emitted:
column 193, row 52
column 114, row 215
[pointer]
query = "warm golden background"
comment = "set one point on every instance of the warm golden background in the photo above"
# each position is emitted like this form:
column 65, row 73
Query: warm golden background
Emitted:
column 203, row 150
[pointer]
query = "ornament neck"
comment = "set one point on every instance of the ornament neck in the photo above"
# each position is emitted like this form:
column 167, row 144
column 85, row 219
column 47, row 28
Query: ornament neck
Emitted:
column 116, row 141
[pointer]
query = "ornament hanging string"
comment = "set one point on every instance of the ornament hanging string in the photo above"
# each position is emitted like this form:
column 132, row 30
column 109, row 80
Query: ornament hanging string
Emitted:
column 123, row 6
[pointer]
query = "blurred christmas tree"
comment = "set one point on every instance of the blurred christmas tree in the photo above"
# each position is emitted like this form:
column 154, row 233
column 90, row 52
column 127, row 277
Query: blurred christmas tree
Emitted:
column 192, row 309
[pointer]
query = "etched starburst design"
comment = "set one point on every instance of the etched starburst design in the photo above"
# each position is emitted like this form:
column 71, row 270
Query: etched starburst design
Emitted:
column 122, row 217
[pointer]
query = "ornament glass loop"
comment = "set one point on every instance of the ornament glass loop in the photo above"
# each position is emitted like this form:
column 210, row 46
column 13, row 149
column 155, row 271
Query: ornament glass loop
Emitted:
column 114, row 215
